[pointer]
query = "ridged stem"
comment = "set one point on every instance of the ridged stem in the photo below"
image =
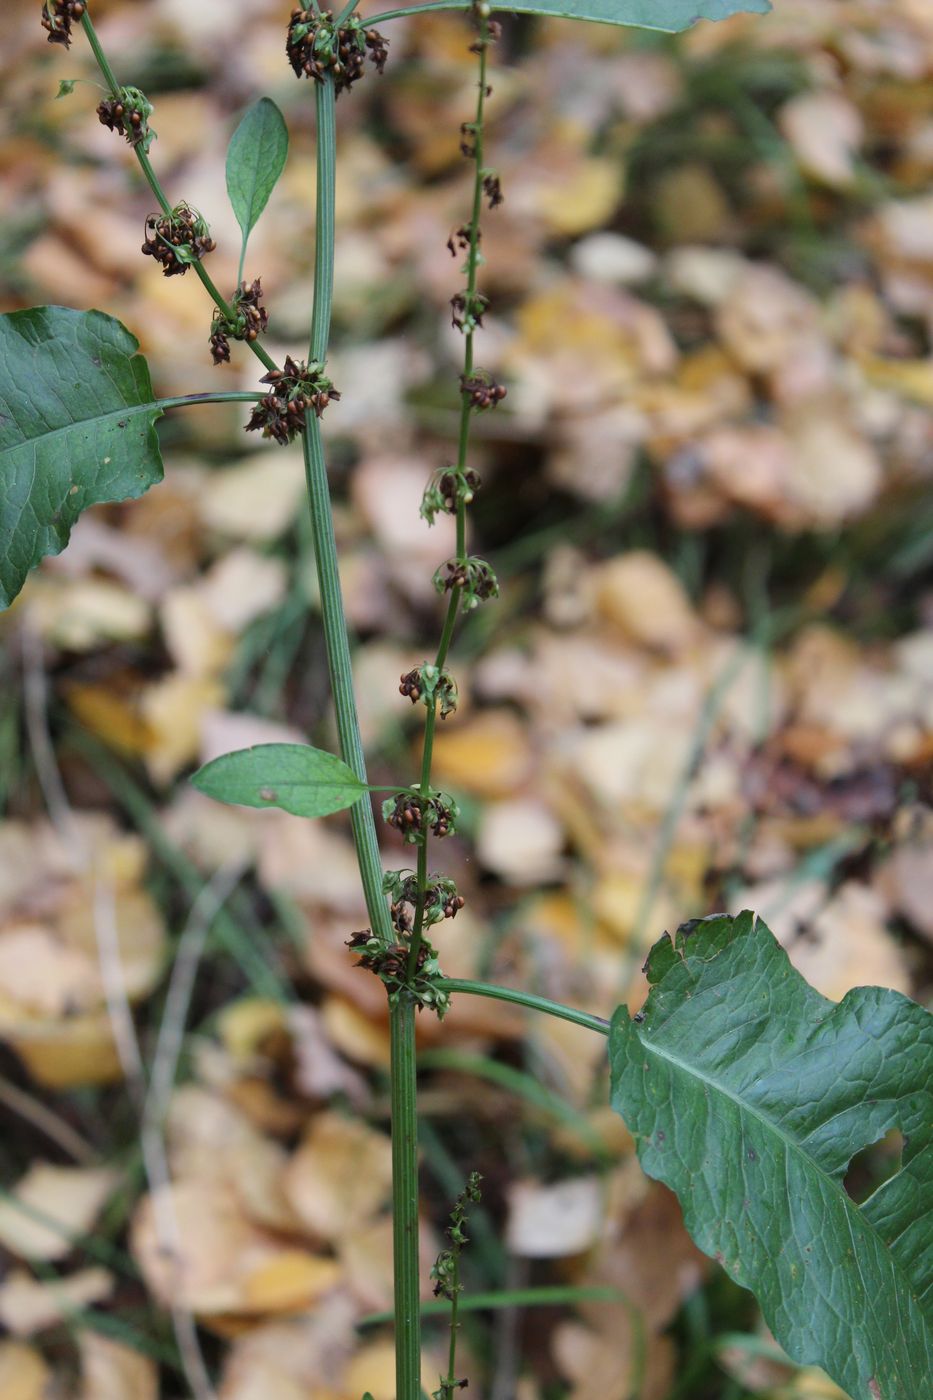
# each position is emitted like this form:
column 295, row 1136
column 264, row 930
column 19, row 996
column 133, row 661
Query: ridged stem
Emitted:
column 402, row 1009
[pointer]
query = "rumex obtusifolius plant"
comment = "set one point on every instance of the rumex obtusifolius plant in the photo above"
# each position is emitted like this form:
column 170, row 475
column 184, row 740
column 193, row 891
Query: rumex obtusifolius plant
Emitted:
column 744, row 1089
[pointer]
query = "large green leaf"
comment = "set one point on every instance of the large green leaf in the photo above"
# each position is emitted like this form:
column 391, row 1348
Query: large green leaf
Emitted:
column 304, row 781
column 667, row 15
column 77, row 426
column 255, row 160
column 749, row 1093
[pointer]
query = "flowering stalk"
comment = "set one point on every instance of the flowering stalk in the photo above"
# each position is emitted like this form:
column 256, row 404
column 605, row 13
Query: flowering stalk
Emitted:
column 140, row 150
column 464, row 579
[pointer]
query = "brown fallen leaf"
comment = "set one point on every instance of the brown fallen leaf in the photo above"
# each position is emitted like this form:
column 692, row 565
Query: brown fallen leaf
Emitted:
column 323, row 1181
column 112, row 1371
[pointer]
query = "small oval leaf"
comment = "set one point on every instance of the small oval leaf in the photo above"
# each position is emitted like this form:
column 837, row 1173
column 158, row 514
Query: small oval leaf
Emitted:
column 295, row 777
column 748, row 1094
column 255, row 160
column 77, row 427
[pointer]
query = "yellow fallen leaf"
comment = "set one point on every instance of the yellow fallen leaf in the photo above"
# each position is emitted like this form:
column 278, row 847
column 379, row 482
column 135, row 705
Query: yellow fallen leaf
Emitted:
column 112, row 717
column 112, row 1371
column 488, row 756
column 640, row 594
column 174, row 709
column 290, row 1282
column 67, row 1054
column 324, row 1182
column 23, row 1373
column 911, row 379
column 583, row 198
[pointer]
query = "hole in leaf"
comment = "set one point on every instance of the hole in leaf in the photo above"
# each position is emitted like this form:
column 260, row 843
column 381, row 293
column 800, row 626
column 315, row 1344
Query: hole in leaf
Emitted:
column 874, row 1165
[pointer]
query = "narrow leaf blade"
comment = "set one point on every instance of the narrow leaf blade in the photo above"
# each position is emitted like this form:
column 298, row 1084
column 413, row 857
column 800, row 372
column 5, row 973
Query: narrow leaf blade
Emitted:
column 669, row 16
column 295, row 777
column 255, row 160
column 748, row 1094
column 77, row 426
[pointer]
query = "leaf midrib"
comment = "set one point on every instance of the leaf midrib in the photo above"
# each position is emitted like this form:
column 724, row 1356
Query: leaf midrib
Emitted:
column 852, row 1210
column 130, row 411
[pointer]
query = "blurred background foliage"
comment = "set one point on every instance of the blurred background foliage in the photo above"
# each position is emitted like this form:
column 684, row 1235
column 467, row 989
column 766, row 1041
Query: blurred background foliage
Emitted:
column 707, row 683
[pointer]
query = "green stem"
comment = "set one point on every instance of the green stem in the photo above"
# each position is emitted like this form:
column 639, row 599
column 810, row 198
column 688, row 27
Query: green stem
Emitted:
column 528, row 999
column 191, row 400
column 145, row 165
column 337, row 642
column 325, row 103
column 405, row 1255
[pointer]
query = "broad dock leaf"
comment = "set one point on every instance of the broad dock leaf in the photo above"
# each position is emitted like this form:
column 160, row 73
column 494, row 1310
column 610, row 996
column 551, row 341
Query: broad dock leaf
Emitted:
column 77, row 426
column 670, row 16
column 748, row 1094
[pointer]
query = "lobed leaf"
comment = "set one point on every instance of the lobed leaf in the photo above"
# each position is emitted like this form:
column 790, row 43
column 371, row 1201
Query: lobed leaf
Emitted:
column 77, row 427
column 748, row 1094
column 255, row 160
column 670, row 16
column 295, row 777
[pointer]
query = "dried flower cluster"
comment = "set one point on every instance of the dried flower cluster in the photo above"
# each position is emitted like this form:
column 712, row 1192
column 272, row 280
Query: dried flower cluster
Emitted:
column 315, row 46
column 178, row 239
column 129, row 115
column 448, row 488
column 432, row 685
column 482, row 389
column 414, row 816
column 473, row 576
column 58, row 17
column 249, row 319
column 389, row 962
column 441, row 900
column 297, row 389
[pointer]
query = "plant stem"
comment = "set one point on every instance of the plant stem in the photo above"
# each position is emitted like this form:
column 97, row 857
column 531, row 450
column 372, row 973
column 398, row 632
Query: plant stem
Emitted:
column 402, row 1010
column 528, row 999
column 192, row 400
column 325, row 105
column 145, row 165
column 405, row 1223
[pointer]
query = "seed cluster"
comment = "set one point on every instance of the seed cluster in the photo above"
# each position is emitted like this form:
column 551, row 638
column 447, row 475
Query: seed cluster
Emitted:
column 448, row 487
column 249, row 319
column 58, row 17
column 315, row 47
column 474, row 576
column 414, row 816
column 129, row 115
column 466, row 310
column 482, row 390
column 389, row 962
column 432, row 685
column 441, row 900
column 178, row 239
column 297, row 389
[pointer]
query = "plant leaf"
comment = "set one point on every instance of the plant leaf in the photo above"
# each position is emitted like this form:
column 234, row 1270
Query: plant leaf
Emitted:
column 749, row 1093
column 304, row 781
column 669, row 16
column 77, row 426
column 255, row 160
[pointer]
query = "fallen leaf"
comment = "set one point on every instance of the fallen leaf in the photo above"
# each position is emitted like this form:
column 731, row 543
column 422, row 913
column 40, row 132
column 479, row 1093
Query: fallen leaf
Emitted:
column 29, row 1305
column 324, row 1182
column 551, row 1222
column 51, row 1207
